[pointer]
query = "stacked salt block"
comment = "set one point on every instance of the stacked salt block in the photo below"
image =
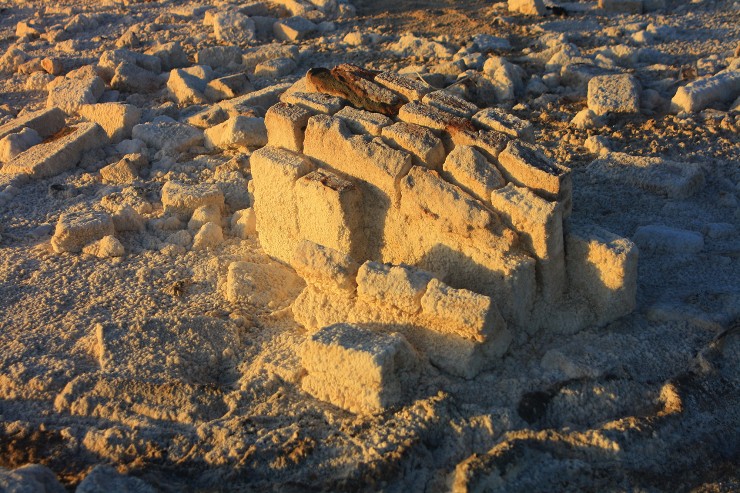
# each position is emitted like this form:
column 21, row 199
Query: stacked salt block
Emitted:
column 57, row 154
column 443, row 199
column 458, row 330
column 378, row 369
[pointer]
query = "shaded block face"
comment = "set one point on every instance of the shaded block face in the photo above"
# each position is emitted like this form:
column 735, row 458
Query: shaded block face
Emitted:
column 471, row 171
column 603, row 268
column 286, row 126
column 426, row 149
column 398, row 286
column 378, row 370
column 363, row 122
column 458, row 211
column 45, row 122
column 374, row 167
column 501, row 121
column 329, row 212
column 117, row 120
column 540, row 227
column 323, row 266
column 524, row 165
column 461, row 312
column 274, row 173
column 538, row 221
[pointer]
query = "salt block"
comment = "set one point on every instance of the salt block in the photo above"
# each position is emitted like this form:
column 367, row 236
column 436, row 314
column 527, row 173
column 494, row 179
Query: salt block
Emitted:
column 525, row 165
column 538, row 221
column 372, row 161
column 127, row 219
column 130, row 77
column 106, row 247
column 426, row 148
column 329, row 212
column 359, row 370
column 254, row 56
column 107, row 478
column 210, row 213
column 168, row 136
column 293, row 28
column 184, row 198
column 111, row 59
column 261, row 284
column 657, row 175
column 527, row 7
column 450, row 103
column 117, row 120
column 274, row 173
column 659, row 238
column 318, row 306
column 459, row 211
column 238, row 131
column 540, row 226
column 233, row 27
column 14, row 144
column 427, row 116
column 188, row 85
column 219, row 56
column 461, row 312
column 323, row 266
column 700, row 93
column 227, row 87
column 244, row 223
column 488, row 142
column 471, row 171
column 209, row 235
column 619, row 93
column 207, row 117
column 314, row 101
column 70, row 94
column 277, row 67
column 411, row 89
column 124, row 171
column 74, row 230
column 256, row 100
column 58, row 154
column 603, row 268
column 363, row 122
column 286, row 126
column 396, row 285
column 45, row 122
column 501, row 121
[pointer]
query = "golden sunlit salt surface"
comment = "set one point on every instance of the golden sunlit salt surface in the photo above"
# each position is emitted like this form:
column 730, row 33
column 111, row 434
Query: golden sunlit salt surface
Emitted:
column 354, row 245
